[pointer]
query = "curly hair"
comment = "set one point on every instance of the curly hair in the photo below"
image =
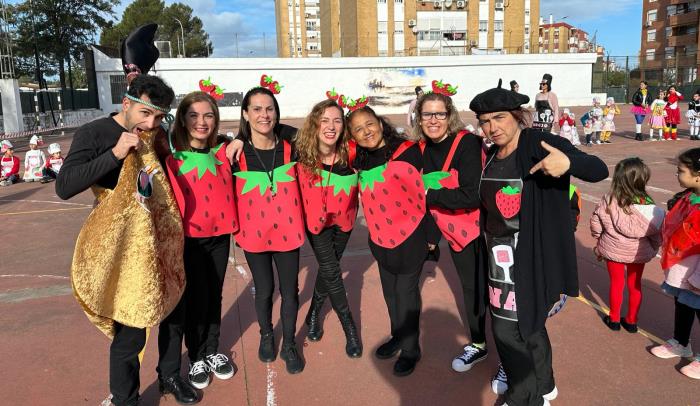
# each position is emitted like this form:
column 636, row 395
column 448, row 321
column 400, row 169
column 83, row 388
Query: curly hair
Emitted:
column 454, row 122
column 306, row 141
column 181, row 136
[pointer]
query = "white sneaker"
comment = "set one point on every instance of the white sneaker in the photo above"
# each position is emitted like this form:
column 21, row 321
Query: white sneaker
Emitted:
column 199, row 375
column 472, row 354
column 499, row 383
column 220, row 366
column 598, row 142
column 672, row 349
column 551, row 395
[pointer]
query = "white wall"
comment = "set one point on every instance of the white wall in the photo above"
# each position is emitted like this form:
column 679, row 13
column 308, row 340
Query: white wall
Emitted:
column 306, row 80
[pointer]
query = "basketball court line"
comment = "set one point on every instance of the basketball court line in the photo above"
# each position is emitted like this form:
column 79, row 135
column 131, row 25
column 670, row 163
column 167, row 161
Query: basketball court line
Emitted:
column 43, row 211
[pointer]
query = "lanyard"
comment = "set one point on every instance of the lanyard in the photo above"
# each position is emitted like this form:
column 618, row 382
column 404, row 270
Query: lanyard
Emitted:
column 324, row 198
column 271, row 173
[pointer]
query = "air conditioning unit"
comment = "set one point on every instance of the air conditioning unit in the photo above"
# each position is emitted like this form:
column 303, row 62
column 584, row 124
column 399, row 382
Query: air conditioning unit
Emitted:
column 448, row 3
column 437, row 4
column 411, row 23
column 461, row 4
column 499, row 5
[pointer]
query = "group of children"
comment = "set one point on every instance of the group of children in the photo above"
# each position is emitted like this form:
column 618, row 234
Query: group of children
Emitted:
column 599, row 122
column 36, row 166
column 630, row 228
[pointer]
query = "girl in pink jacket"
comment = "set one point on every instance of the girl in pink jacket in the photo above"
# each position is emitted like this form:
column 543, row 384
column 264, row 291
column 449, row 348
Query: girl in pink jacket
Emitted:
column 627, row 225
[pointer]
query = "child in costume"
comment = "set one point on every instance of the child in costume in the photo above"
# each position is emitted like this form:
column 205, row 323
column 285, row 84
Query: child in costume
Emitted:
column 595, row 115
column 609, row 112
column 680, row 260
column 34, row 161
column 567, row 127
column 202, row 183
column 693, row 116
column 657, row 120
column 627, row 226
column 9, row 164
column 53, row 164
column 673, row 113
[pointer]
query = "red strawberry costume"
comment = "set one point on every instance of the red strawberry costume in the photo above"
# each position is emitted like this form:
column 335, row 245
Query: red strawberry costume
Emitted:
column 681, row 231
column 270, row 211
column 672, row 108
column 203, row 187
column 329, row 196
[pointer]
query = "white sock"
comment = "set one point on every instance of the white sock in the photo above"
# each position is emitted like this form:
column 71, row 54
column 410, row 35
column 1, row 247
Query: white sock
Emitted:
column 638, row 127
column 651, row 133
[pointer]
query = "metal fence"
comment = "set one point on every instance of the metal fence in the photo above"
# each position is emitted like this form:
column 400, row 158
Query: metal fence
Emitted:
column 71, row 99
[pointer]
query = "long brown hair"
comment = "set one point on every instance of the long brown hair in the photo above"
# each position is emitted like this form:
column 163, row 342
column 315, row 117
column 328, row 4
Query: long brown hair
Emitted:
column 181, row 136
column 306, row 141
column 454, row 122
column 244, row 132
column 629, row 183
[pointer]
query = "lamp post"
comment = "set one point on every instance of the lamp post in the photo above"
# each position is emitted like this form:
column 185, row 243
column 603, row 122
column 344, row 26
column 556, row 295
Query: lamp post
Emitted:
column 182, row 30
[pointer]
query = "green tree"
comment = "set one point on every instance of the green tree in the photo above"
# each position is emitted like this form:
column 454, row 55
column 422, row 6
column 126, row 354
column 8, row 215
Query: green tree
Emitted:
column 140, row 12
column 58, row 29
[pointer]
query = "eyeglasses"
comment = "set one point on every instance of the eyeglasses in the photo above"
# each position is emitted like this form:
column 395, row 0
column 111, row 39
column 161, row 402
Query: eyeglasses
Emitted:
column 440, row 115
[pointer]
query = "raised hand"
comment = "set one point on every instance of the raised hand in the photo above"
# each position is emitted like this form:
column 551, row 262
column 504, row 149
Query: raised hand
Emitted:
column 555, row 164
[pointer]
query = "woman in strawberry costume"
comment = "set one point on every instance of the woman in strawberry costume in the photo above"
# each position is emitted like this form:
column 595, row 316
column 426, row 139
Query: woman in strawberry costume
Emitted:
column 680, row 260
column 528, row 229
column 271, row 219
column 451, row 170
column 393, row 200
column 203, row 187
column 329, row 191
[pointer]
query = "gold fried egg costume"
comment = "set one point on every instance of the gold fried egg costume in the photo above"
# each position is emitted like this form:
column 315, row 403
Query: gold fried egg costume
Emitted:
column 128, row 261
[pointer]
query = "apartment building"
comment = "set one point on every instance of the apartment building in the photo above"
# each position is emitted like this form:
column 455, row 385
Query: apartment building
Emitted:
column 560, row 37
column 298, row 27
column 410, row 27
column 669, row 43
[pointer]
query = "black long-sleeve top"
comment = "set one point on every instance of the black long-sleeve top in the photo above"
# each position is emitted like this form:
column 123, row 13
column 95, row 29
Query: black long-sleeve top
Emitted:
column 90, row 160
column 407, row 257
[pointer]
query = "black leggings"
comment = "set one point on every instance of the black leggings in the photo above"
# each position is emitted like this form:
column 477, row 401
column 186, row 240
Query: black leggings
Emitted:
column 205, row 267
column 403, row 301
column 683, row 322
column 287, row 264
column 473, row 289
column 328, row 247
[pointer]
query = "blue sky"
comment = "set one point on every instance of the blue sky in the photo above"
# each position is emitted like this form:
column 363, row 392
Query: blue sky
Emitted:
column 617, row 22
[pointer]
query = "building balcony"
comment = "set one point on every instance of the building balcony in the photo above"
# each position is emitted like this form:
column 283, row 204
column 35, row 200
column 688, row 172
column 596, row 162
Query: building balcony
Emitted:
column 689, row 18
column 683, row 40
column 655, row 64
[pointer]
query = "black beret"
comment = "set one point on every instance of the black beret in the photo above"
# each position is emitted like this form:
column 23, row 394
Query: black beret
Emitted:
column 497, row 99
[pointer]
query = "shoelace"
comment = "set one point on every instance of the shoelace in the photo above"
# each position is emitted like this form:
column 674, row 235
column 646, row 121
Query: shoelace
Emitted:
column 199, row 367
column 217, row 360
column 501, row 374
column 469, row 352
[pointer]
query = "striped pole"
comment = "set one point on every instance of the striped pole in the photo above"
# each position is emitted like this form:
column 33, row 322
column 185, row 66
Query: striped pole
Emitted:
column 36, row 110
column 60, row 113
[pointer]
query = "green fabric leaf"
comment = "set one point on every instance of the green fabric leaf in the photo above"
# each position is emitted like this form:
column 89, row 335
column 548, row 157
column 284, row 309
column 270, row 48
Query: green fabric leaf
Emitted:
column 197, row 160
column 369, row 177
column 694, row 199
column 432, row 180
column 254, row 179
column 281, row 175
column 339, row 182
column 508, row 190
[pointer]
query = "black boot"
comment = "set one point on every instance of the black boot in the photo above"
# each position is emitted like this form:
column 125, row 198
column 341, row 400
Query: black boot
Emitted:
column 292, row 359
column 353, row 346
column 183, row 393
column 388, row 349
column 266, row 352
column 638, row 137
column 313, row 318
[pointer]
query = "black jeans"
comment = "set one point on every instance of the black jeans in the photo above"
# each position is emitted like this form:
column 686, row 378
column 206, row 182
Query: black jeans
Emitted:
column 205, row 267
column 683, row 322
column 473, row 282
column 124, row 365
column 403, row 301
column 527, row 362
column 287, row 264
column 328, row 247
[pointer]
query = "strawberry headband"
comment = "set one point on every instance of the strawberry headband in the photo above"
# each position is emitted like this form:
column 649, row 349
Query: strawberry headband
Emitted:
column 267, row 82
column 443, row 88
column 211, row 89
column 347, row 102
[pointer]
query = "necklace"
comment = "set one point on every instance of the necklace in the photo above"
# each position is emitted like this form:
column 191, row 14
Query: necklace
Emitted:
column 271, row 173
column 324, row 196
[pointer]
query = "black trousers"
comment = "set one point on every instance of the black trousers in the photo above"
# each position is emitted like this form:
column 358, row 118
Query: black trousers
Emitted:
column 124, row 366
column 205, row 268
column 287, row 264
column 683, row 322
column 403, row 301
column 472, row 278
column 527, row 362
column 328, row 247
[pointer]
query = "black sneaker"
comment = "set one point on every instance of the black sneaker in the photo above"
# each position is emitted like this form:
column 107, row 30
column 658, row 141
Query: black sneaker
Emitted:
column 405, row 366
column 199, row 374
column 292, row 359
column 220, row 366
column 472, row 354
column 630, row 327
column 499, row 383
column 266, row 352
column 612, row 325
column 388, row 349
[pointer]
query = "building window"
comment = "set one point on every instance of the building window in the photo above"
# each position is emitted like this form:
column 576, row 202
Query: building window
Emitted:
column 381, row 27
column 670, row 52
column 381, row 1
column 527, row 30
column 651, row 16
column 498, row 26
column 483, row 25
column 651, row 35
